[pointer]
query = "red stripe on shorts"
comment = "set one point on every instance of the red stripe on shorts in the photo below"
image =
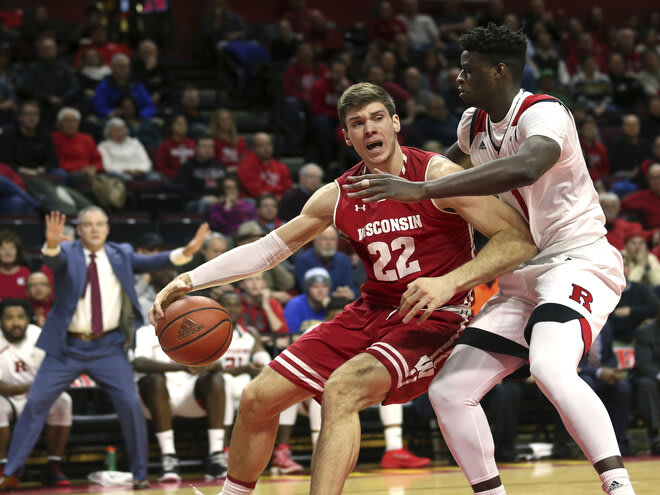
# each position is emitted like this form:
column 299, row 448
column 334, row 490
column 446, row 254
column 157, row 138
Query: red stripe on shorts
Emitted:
column 521, row 202
column 586, row 335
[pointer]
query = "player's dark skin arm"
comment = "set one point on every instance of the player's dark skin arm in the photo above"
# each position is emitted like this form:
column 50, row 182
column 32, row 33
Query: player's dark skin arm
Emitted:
column 9, row 389
column 146, row 365
column 536, row 155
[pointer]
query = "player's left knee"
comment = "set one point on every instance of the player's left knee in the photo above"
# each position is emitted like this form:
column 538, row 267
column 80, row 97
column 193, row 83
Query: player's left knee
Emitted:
column 60, row 413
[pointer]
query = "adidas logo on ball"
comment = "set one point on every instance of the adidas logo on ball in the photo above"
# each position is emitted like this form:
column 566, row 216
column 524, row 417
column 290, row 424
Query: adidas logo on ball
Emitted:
column 187, row 328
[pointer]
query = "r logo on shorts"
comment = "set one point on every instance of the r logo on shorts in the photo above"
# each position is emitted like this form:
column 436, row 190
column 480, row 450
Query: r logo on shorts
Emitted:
column 582, row 296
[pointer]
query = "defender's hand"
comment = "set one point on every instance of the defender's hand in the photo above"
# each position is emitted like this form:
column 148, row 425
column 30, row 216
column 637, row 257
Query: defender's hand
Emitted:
column 173, row 291
column 374, row 187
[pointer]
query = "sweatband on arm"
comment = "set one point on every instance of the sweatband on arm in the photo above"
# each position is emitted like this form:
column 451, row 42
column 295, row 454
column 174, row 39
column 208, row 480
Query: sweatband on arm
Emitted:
column 241, row 262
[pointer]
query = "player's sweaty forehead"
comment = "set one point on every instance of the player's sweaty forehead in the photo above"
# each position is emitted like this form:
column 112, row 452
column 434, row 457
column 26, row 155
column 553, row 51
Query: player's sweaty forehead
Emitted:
column 369, row 110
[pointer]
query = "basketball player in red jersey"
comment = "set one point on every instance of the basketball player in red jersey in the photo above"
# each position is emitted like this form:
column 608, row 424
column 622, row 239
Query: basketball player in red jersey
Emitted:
column 550, row 309
column 367, row 354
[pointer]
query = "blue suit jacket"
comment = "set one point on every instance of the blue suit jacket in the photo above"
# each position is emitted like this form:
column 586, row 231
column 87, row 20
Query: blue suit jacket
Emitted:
column 70, row 273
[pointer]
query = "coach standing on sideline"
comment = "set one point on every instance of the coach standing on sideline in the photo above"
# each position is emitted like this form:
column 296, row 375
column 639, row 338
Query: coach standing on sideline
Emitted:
column 88, row 331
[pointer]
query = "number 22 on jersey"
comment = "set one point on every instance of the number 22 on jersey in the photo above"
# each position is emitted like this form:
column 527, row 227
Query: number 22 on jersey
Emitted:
column 403, row 265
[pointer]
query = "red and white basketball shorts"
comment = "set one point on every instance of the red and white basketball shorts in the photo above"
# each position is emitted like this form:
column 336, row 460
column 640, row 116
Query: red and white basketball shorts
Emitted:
column 412, row 353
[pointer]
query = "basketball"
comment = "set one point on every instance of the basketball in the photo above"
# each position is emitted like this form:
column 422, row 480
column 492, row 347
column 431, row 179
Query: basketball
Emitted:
column 195, row 331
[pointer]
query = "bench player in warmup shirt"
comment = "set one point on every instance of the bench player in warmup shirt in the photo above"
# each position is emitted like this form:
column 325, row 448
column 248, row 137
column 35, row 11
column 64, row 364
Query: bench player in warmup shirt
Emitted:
column 548, row 311
column 367, row 354
column 20, row 359
column 171, row 389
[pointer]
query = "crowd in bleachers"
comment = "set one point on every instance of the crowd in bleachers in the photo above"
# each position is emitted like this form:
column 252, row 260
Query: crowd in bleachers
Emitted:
column 91, row 116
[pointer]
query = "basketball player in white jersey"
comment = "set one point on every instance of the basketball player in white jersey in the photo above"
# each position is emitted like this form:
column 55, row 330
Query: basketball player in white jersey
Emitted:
column 20, row 359
column 549, row 310
column 170, row 389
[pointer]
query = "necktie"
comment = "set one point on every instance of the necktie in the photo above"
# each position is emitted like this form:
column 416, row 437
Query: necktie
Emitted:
column 97, row 310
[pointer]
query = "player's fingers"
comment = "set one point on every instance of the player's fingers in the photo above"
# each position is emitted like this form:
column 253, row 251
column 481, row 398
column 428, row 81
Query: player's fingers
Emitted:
column 376, row 197
column 409, row 298
column 415, row 309
column 425, row 316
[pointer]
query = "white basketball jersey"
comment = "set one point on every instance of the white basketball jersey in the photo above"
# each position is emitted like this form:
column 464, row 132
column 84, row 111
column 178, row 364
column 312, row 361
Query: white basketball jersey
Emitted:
column 240, row 350
column 562, row 206
column 147, row 346
column 20, row 361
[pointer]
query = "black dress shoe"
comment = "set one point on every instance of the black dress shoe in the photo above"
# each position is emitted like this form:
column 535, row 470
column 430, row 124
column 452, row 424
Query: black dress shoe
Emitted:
column 140, row 485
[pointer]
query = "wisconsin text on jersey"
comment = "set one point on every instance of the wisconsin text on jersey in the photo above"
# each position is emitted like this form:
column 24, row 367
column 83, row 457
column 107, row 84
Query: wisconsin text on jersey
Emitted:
column 390, row 225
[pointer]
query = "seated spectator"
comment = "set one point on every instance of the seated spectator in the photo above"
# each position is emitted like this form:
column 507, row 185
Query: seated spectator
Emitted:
column 200, row 177
column 323, row 34
column 383, row 26
column 436, row 124
column 585, row 48
column 27, row 147
column 99, row 42
column 50, row 82
column 110, row 91
column 547, row 84
column 324, row 119
column 325, row 254
column 279, row 279
column 651, row 123
column 176, row 149
column 628, row 93
column 421, row 28
column 292, row 201
column 452, row 22
column 122, row 155
column 300, row 75
column 39, row 294
column 307, row 309
column 230, row 147
column 267, row 209
column 433, row 72
column 284, row 44
column 638, row 303
column 91, row 72
column 19, row 344
column 260, row 173
column 649, row 77
column 450, row 93
column 148, row 69
column 412, row 83
column 260, row 310
column 591, row 87
column 230, row 211
column 630, row 149
column 618, row 229
column 189, row 107
column 143, row 129
column 214, row 245
column 625, row 45
column 644, row 266
column 594, row 151
column 13, row 272
column 546, row 58
column 76, row 151
column 8, row 103
column 170, row 389
column 646, row 371
column 646, row 202
column 14, row 200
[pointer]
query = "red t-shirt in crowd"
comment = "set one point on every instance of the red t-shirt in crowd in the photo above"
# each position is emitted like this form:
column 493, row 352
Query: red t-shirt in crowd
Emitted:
column 298, row 79
column 324, row 97
column 598, row 159
column 171, row 154
column 229, row 154
column 618, row 232
column 646, row 203
column 76, row 152
column 13, row 285
column 255, row 316
column 258, row 177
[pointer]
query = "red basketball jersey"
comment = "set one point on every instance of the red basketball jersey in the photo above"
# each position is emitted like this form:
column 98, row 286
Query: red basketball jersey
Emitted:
column 400, row 242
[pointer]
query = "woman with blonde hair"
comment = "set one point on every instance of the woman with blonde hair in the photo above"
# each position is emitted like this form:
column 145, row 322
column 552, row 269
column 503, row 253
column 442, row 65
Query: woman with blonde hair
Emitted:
column 230, row 147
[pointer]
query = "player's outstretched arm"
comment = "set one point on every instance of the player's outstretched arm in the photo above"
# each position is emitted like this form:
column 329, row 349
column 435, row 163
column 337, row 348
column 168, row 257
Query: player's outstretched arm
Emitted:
column 510, row 243
column 256, row 257
column 535, row 156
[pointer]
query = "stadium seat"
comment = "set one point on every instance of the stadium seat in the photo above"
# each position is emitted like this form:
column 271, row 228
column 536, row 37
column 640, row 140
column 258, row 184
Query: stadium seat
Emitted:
column 129, row 226
column 30, row 228
column 178, row 228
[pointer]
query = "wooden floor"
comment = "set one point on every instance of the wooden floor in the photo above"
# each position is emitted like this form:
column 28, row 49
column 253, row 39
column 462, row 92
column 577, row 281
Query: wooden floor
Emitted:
column 537, row 478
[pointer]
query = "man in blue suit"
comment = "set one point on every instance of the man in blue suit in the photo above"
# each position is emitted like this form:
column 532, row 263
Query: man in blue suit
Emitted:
column 88, row 330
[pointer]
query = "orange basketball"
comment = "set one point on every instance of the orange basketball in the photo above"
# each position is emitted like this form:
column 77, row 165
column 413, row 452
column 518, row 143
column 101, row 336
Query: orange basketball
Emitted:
column 195, row 331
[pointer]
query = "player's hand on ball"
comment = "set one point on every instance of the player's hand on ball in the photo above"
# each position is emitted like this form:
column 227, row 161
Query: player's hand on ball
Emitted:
column 173, row 291
column 424, row 294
